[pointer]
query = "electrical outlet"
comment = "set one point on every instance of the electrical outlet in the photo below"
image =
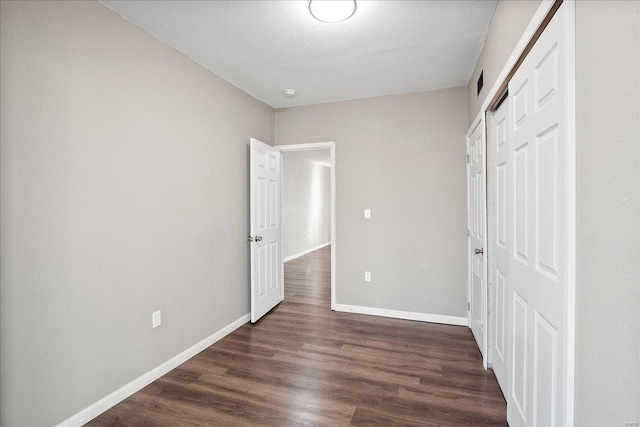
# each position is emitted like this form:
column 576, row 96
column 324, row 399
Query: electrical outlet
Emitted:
column 156, row 319
column 367, row 276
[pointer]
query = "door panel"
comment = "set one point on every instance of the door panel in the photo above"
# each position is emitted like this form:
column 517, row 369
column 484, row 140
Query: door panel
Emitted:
column 501, row 291
column 545, row 372
column 519, row 354
column 547, row 203
column 266, row 258
column 537, row 270
column 521, row 201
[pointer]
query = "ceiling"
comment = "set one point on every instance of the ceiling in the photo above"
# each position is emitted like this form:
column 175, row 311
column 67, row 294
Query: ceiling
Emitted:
column 321, row 157
column 264, row 47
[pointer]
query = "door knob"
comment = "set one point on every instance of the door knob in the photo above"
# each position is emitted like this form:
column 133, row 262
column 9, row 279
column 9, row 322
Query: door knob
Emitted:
column 250, row 238
column 479, row 251
column 258, row 238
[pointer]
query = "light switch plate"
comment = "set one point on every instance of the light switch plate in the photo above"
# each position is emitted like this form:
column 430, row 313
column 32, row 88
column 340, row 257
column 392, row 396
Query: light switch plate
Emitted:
column 367, row 276
column 367, row 214
column 156, row 319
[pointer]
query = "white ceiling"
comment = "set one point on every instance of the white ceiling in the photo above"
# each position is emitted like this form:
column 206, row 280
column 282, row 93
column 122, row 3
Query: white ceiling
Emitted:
column 264, row 47
column 321, row 157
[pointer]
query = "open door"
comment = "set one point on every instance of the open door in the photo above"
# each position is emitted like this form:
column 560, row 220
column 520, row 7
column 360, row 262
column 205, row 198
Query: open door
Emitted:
column 266, row 257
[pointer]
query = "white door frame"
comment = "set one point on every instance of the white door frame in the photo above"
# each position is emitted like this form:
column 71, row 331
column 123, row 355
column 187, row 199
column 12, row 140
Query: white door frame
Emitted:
column 319, row 146
column 570, row 102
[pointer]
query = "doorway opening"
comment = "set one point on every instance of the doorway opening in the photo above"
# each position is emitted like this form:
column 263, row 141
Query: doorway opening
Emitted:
column 308, row 206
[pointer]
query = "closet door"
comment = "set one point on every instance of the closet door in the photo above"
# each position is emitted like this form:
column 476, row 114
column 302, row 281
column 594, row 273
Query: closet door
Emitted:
column 538, row 274
column 476, row 187
column 499, row 229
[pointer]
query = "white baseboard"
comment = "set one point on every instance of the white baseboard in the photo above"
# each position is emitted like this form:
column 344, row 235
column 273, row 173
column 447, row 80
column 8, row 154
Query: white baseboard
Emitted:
column 144, row 380
column 308, row 251
column 407, row 315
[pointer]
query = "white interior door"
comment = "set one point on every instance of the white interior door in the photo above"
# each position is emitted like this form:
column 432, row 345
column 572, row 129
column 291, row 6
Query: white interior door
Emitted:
column 477, row 237
column 498, row 241
column 266, row 257
column 538, row 273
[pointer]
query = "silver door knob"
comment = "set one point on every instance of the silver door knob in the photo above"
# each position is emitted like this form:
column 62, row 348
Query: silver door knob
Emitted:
column 258, row 238
column 479, row 251
column 250, row 239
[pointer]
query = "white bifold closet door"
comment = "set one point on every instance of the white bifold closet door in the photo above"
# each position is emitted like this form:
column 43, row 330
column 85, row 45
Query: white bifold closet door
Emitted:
column 499, row 233
column 537, row 254
column 476, row 184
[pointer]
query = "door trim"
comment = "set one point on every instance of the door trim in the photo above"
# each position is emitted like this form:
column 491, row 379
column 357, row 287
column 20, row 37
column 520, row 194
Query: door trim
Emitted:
column 319, row 146
column 529, row 33
column 493, row 105
column 570, row 100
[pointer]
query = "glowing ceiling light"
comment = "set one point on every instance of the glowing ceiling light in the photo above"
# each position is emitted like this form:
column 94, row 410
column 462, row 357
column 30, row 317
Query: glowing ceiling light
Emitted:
column 332, row 11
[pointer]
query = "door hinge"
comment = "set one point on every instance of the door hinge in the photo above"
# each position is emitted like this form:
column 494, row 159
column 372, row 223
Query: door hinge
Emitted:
column 467, row 158
column 468, row 306
column 467, row 232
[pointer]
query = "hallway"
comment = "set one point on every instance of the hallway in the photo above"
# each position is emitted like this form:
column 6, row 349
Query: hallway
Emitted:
column 303, row 364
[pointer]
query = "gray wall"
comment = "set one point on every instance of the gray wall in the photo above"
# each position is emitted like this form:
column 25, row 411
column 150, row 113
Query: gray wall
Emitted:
column 404, row 158
column 509, row 21
column 306, row 204
column 123, row 191
column 608, row 253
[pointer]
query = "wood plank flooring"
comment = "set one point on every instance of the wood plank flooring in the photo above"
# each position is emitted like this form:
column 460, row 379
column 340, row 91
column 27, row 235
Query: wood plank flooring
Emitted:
column 303, row 364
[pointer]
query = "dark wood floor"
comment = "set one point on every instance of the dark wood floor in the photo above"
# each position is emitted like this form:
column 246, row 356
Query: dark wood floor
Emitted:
column 303, row 364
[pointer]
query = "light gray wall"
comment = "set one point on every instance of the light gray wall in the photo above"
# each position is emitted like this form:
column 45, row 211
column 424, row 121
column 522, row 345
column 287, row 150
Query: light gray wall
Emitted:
column 608, row 252
column 124, row 190
column 306, row 204
column 509, row 21
column 404, row 158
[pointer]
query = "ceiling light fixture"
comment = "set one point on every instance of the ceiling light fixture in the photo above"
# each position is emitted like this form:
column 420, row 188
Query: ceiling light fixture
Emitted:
column 289, row 93
column 332, row 11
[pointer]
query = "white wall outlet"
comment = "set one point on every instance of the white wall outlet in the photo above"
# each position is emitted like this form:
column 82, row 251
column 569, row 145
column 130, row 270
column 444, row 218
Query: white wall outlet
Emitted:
column 367, row 276
column 156, row 319
column 367, row 214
